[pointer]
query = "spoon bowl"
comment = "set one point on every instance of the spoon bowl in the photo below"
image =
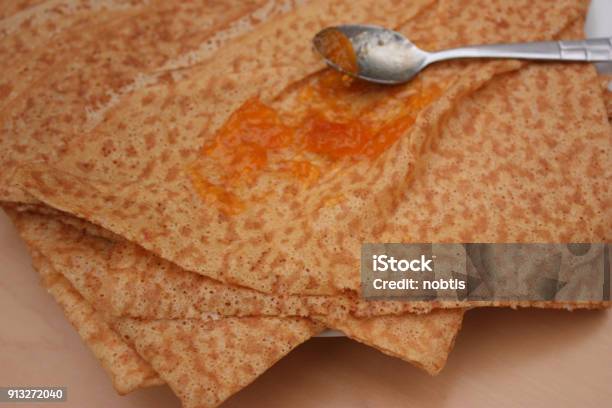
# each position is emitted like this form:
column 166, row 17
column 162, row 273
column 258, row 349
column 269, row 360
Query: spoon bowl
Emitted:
column 383, row 56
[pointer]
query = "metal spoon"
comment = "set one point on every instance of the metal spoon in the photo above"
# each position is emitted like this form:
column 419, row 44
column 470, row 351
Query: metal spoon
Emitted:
column 387, row 57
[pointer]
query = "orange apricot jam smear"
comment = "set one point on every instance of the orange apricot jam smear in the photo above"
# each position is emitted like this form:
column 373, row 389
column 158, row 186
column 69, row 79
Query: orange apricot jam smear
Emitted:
column 336, row 47
column 331, row 121
column 227, row 201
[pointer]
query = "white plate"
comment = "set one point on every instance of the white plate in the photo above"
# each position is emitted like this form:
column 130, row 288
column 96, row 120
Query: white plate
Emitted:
column 599, row 24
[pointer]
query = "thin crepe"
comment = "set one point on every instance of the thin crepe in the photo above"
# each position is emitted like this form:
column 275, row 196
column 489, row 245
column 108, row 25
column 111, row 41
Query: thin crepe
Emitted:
column 256, row 249
column 203, row 360
column 163, row 282
column 126, row 369
column 491, row 102
column 142, row 287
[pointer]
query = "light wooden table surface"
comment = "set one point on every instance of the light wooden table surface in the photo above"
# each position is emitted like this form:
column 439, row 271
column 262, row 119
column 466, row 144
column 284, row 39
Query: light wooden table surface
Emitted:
column 503, row 358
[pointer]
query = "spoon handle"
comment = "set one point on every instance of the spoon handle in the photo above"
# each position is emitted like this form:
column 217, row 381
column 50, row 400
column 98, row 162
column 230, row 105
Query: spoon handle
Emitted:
column 595, row 50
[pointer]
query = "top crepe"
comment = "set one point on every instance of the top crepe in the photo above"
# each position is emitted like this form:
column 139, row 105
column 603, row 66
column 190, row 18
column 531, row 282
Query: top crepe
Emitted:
column 139, row 187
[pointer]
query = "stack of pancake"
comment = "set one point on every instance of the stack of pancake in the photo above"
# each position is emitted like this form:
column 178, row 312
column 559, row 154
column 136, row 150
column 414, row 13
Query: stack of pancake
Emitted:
column 188, row 253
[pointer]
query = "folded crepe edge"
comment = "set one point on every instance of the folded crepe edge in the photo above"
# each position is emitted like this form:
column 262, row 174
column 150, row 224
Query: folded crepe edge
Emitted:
column 424, row 340
column 109, row 343
column 126, row 369
column 407, row 346
column 121, row 358
column 128, row 358
column 205, row 362
column 360, row 310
